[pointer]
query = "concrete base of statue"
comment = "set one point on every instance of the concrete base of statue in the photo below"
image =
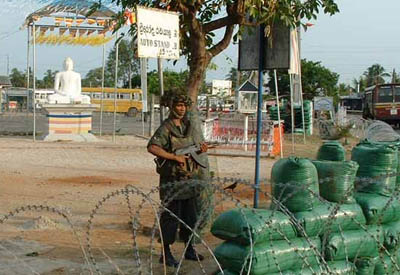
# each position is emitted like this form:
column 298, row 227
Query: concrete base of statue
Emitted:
column 69, row 122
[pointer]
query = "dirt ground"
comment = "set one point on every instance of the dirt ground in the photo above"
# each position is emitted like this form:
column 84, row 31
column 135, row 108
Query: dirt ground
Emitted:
column 76, row 179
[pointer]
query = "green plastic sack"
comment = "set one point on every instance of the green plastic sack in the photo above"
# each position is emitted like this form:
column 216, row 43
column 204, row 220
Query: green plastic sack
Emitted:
column 228, row 272
column 336, row 180
column 245, row 226
column 376, row 163
column 328, row 218
column 268, row 257
column 365, row 265
column 397, row 145
column 378, row 209
column 335, row 267
column 392, row 235
column 331, row 150
column 295, row 184
column 387, row 264
column 353, row 244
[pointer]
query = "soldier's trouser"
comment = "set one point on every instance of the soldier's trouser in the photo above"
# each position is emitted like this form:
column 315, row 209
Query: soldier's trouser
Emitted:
column 186, row 211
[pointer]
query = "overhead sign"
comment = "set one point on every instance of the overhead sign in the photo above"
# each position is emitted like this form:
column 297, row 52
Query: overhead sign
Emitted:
column 157, row 33
column 323, row 103
column 276, row 48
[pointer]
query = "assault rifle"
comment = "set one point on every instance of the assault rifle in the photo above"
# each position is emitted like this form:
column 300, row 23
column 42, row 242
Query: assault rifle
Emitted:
column 191, row 151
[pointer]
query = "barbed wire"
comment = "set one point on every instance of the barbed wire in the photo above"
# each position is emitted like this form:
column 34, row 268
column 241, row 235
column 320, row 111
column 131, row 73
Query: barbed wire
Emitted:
column 138, row 202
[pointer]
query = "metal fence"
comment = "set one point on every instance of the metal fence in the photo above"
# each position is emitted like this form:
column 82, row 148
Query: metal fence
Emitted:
column 22, row 123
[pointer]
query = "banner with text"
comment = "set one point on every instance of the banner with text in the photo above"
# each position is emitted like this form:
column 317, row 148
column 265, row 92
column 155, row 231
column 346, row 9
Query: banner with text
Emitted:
column 158, row 33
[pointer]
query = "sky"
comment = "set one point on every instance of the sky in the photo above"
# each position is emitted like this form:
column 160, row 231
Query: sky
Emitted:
column 363, row 33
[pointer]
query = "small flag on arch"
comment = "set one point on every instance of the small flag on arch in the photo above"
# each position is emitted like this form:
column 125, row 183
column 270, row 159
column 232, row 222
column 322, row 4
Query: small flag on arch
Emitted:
column 130, row 17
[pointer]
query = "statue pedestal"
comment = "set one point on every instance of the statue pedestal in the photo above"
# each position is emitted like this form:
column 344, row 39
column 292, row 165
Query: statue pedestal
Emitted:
column 69, row 122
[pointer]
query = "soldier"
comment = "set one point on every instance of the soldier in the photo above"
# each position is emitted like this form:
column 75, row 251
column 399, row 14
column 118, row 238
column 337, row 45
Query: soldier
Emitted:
column 176, row 132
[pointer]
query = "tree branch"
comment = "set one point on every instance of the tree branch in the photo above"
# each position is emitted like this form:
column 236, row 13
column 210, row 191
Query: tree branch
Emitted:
column 236, row 15
column 220, row 23
column 224, row 43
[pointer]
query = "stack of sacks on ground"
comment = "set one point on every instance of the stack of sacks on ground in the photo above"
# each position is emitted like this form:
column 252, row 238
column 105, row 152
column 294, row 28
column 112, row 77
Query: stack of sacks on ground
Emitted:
column 331, row 150
column 378, row 197
column 295, row 185
column 261, row 241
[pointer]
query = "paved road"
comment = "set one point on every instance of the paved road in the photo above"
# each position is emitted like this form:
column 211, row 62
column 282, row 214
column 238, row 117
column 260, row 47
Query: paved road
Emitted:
column 22, row 123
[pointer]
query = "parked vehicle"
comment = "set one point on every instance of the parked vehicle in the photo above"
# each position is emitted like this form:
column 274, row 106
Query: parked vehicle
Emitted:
column 382, row 102
column 128, row 101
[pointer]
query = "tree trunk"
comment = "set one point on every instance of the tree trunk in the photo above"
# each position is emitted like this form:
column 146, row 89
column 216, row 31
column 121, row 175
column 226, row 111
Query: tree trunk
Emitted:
column 196, row 76
column 198, row 60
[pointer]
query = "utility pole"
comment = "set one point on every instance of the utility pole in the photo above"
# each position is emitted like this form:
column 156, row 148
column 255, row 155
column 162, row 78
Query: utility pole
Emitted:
column 8, row 65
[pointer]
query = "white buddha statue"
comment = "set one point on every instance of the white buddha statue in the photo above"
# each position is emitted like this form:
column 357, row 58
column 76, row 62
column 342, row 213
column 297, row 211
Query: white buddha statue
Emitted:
column 67, row 86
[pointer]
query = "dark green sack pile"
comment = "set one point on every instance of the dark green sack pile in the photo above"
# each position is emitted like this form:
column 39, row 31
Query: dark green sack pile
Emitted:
column 228, row 272
column 387, row 264
column 378, row 209
column 298, row 118
column 354, row 244
column 336, row 180
column 325, row 218
column 365, row 266
column 268, row 257
column 243, row 224
column 295, row 184
column 392, row 235
column 331, row 150
column 335, row 267
column 273, row 113
column 397, row 145
column 376, row 162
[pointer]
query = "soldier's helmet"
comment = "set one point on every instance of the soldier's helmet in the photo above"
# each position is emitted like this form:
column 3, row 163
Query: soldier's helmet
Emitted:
column 174, row 96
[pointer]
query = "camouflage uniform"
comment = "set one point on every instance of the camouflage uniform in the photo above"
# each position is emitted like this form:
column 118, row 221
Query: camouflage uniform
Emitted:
column 170, row 137
column 174, row 191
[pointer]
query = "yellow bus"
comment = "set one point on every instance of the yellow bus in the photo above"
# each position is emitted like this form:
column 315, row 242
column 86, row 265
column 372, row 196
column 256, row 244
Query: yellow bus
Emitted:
column 129, row 101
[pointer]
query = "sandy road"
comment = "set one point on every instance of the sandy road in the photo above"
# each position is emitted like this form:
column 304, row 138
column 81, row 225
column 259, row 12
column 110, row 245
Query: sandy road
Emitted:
column 74, row 177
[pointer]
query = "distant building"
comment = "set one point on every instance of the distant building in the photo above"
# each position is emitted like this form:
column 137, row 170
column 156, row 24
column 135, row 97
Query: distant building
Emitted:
column 5, row 82
column 17, row 99
column 221, row 88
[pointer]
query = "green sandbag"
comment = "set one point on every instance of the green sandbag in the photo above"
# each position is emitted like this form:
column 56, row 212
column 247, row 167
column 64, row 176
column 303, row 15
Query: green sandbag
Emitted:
column 397, row 145
column 331, row 150
column 268, row 257
column 365, row 265
column 295, row 184
column 335, row 267
column 392, row 235
column 228, row 272
column 376, row 163
column 354, row 244
column 336, row 180
column 244, row 225
column 328, row 218
column 391, row 262
column 378, row 209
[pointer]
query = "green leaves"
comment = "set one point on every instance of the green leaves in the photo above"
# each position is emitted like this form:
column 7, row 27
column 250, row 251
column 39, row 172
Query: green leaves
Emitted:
column 196, row 14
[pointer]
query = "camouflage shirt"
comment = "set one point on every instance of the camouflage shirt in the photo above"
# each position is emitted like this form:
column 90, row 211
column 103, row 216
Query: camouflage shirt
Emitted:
column 171, row 137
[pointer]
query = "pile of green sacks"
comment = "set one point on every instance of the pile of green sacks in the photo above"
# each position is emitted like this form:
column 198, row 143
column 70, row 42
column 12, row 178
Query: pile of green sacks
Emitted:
column 286, row 239
column 264, row 241
column 319, row 223
column 377, row 194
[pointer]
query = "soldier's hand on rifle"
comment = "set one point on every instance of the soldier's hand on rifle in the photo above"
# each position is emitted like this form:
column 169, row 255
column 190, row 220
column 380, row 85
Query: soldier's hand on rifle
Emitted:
column 181, row 159
column 203, row 147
